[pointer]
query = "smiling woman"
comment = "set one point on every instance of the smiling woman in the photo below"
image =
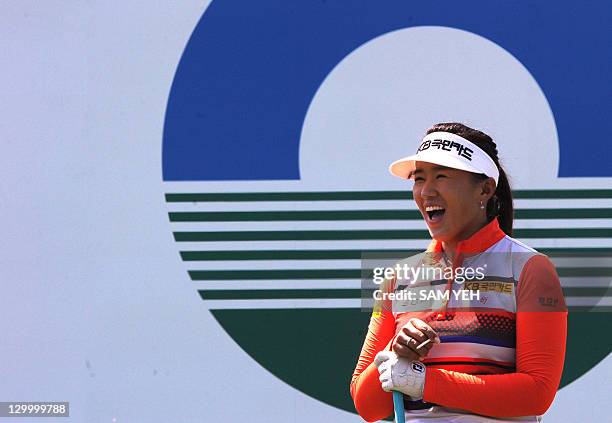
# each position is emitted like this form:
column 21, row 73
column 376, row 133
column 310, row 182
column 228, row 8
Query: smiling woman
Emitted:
column 468, row 180
column 465, row 188
column 497, row 355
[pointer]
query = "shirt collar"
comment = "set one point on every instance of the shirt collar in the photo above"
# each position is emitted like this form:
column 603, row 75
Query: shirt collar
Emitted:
column 477, row 243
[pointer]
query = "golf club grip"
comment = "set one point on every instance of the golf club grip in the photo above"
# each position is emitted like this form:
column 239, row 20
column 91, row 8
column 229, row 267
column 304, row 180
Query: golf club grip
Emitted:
column 398, row 407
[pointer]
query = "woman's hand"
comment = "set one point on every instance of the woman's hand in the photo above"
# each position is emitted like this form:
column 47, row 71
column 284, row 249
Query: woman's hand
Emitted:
column 410, row 336
column 399, row 374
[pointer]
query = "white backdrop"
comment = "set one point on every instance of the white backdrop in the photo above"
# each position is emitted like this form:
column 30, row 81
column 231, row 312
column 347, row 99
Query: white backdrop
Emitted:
column 96, row 306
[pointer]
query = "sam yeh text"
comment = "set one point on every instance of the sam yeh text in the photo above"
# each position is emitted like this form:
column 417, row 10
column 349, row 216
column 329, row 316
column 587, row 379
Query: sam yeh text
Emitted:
column 431, row 295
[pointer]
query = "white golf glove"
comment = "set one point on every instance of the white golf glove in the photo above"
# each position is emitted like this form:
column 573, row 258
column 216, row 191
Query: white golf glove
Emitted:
column 400, row 374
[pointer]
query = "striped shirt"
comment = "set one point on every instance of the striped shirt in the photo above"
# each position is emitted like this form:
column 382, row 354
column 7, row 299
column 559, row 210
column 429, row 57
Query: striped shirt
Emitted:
column 502, row 334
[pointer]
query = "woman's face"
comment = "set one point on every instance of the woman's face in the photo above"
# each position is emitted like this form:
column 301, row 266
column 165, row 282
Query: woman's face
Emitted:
column 449, row 200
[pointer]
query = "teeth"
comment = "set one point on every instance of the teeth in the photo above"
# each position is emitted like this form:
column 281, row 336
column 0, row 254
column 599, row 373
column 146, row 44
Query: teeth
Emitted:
column 432, row 208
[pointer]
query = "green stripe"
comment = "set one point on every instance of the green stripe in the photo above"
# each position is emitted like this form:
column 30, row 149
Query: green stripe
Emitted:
column 561, row 194
column 366, row 195
column 274, row 294
column 563, row 213
column 316, row 215
column 292, row 254
column 204, row 275
column 357, row 254
column 298, row 235
column 289, row 196
column 596, row 309
column 253, row 216
column 372, row 234
column 260, row 274
column 584, row 271
column 587, row 292
column 577, row 252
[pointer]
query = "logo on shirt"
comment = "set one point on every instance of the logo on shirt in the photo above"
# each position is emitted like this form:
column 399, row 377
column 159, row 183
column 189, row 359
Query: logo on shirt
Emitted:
column 490, row 286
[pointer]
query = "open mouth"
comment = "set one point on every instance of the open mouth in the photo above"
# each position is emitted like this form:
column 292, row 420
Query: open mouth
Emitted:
column 435, row 213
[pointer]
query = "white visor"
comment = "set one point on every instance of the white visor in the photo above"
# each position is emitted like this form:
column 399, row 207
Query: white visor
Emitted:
column 450, row 150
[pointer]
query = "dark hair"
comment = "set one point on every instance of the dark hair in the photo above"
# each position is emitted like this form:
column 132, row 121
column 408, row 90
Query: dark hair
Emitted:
column 500, row 204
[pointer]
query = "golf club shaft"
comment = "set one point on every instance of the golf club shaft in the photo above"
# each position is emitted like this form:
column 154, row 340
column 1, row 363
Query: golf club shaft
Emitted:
column 398, row 406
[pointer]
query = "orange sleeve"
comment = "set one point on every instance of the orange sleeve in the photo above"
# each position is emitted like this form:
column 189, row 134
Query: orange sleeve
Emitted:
column 541, row 330
column 371, row 402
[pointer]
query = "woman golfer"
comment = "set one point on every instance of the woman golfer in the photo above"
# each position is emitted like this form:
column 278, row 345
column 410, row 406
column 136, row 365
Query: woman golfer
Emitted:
column 493, row 355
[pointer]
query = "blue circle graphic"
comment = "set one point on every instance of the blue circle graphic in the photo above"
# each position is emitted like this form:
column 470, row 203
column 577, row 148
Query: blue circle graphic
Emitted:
column 250, row 70
column 237, row 106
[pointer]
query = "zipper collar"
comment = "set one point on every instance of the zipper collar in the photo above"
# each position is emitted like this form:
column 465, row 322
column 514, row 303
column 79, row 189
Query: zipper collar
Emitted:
column 481, row 240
